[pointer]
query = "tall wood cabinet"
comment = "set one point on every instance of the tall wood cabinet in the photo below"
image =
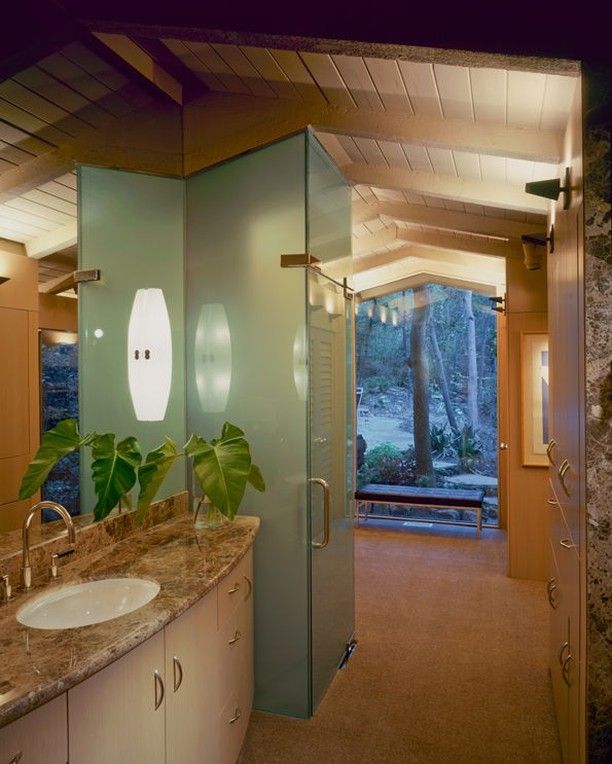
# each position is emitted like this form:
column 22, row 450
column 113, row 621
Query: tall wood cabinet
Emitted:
column 566, row 456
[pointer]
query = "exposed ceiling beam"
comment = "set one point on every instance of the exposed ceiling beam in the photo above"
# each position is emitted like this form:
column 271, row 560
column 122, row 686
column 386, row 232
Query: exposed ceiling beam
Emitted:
column 143, row 63
column 460, row 135
column 374, row 241
column 482, row 192
column 451, row 220
column 472, row 245
column 53, row 241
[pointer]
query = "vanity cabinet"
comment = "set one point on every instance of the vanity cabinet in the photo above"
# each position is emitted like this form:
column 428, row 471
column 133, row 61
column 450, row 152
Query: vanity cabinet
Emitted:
column 39, row 737
column 182, row 697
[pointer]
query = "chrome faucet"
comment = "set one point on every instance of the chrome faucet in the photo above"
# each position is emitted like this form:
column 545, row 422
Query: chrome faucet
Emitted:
column 27, row 522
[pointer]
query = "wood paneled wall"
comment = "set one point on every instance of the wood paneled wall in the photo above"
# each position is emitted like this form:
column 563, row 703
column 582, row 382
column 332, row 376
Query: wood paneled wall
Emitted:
column 19, row 385
column 59, row 313
column 527, row 487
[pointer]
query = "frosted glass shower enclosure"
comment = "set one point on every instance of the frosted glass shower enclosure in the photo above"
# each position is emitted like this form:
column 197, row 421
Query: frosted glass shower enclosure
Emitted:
column 269, row 349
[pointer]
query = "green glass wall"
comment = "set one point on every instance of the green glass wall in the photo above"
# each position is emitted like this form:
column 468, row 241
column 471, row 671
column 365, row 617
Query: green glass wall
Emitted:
column 131, row 227
column 245, row 327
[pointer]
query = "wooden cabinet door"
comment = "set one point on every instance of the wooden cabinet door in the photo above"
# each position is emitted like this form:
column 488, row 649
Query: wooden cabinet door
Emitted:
column 192, row 699
column 40, row 737
column 118, row 715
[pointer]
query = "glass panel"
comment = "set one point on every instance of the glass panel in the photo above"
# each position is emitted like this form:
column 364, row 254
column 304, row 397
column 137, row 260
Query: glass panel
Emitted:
column 246, row 363
column 330, row 432
column 131, row 228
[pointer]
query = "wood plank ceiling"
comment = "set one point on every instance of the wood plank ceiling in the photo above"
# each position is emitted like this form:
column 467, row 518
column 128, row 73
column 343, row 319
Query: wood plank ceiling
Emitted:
column 482, row 133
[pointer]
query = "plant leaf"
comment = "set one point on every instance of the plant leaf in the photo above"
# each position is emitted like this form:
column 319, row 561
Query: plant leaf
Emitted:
column 153, row 472
column 222, row 467
column 56, row 443
column 256, row 478
column 113, row 470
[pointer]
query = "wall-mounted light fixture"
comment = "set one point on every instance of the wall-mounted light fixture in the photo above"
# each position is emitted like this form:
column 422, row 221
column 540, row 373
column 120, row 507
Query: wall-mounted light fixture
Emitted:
column 213, row 358
column 551, row 189
column 533, row 244
column 149, row 355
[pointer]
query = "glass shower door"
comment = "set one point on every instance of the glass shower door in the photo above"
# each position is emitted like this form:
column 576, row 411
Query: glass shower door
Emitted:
column 330, row 482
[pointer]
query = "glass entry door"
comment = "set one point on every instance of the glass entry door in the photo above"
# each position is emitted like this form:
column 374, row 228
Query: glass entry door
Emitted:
column 330, row 479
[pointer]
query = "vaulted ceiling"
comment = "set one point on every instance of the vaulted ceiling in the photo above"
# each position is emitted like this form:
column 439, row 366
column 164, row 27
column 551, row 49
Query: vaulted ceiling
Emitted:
column 437, row 145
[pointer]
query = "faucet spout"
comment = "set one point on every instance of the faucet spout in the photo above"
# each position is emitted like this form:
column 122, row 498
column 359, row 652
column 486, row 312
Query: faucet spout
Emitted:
column 27, row 522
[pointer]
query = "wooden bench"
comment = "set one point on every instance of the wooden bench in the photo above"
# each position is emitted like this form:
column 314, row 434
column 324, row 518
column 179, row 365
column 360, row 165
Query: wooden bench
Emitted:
column 414, row 496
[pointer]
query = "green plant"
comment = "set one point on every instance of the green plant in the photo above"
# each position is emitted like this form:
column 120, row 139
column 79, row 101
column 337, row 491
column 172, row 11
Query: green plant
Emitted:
column 222, row 467
column 469, row 448
column 386, row 464
column 440, row 439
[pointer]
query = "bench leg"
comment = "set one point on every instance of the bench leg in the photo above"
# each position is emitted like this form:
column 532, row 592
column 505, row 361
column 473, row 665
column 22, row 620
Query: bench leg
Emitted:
column 479, row 522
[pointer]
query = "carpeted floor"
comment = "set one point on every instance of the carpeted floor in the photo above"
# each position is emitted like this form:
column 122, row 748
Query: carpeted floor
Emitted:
column 451, row 664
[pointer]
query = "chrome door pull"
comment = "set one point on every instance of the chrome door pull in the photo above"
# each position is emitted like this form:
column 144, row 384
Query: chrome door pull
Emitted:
column 234, row 589
column 176, row 664
column 325, row 485
column 237, row 636
column 236, row 716
column 159, row 689
column 250, row 585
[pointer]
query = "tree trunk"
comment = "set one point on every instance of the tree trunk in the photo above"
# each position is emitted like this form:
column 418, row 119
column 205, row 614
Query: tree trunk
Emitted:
column 472, row 376
column 441, row 377
column 420, row 375
column 405, row 324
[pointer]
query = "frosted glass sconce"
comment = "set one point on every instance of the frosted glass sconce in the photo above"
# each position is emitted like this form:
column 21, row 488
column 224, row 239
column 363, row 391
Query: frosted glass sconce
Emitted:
column 149, row 355
column 300, row 363
column 213, row 358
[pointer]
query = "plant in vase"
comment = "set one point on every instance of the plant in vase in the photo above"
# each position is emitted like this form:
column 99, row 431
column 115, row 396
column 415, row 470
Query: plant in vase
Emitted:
column 222, row 467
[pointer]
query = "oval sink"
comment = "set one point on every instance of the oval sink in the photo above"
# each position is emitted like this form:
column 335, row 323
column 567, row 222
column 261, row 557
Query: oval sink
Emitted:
column 87, row 603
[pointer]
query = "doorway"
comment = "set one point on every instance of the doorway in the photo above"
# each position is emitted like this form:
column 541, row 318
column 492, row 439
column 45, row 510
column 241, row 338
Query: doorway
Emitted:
column 427, row 410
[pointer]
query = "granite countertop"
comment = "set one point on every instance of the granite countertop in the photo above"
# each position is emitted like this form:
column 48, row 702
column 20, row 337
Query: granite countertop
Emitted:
column 37, row 665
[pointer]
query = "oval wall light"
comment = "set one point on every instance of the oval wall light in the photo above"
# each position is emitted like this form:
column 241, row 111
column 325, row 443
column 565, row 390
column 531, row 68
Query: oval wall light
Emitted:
column 213, row 358
column 149, row 355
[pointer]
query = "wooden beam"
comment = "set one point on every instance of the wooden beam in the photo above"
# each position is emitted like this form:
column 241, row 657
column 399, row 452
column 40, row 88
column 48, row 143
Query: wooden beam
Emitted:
column 53, row 241
column 374, row 241
column 451, row 220
column 481, row 192
column 143, row 63
column 472, row 245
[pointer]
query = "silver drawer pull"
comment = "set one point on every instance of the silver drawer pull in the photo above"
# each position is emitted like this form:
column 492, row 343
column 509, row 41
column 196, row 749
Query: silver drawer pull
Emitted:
column 567, row 544
column 235, row 638
column 553, row 502
column 562, row 472
column 159, row 689
column 564, row 647
column 178, row 678
column 16, row 758
column 236, row 716
column 250, row 585
column 549, row 450
column 565, row 669
column 234, row 589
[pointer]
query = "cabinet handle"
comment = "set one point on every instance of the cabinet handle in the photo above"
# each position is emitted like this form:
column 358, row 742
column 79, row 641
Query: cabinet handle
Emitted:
column 562, row 471
column 250, row 585
column 236, row 716
column 553, row 502
column 234, row 589
column 549, row 450
column 16, row 758
column 564, row 647
column 235, row 638
column 552, row 587
column 159, row 685
column 567, row 544
column 176, row 664
column 565, row 670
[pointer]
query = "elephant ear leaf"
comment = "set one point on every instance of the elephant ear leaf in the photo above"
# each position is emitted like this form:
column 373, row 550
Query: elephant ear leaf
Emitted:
column 56, row 443
column 153, row 472
column 256, row 478
column 113, row 470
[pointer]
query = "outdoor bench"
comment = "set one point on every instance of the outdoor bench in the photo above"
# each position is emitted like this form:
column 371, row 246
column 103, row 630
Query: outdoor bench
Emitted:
column 415, row 496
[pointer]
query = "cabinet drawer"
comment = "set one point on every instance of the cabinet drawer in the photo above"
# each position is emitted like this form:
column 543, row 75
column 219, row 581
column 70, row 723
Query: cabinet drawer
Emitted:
column 235, row 651
column 233, row 723
column 235, row 588
column 559, row 525
column 41, row 737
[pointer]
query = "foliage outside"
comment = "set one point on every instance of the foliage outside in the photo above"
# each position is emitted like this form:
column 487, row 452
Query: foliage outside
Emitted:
column 222, row 467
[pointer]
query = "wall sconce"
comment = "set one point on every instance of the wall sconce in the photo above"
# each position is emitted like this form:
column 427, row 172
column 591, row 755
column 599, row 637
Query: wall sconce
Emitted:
column 532, row 243
column 149, row 355
column 300, row 363
column 550, row 189
column 213, row 358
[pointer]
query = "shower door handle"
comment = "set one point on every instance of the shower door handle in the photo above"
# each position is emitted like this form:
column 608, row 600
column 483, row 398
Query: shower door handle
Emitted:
column 325, row 485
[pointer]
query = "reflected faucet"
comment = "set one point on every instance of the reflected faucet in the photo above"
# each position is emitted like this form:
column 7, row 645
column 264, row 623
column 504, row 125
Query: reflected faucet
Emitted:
column 27, row 522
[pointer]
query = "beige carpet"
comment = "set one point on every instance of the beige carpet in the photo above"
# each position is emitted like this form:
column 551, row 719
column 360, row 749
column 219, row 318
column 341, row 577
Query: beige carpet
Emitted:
column 450, row 666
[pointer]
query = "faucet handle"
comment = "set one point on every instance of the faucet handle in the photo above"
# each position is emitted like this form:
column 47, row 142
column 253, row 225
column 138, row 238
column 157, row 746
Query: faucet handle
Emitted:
column 56, row 555
column 5, row 586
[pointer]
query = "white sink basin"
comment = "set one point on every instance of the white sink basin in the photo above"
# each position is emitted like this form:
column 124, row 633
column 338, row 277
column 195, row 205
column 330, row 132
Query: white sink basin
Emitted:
column 90, row 602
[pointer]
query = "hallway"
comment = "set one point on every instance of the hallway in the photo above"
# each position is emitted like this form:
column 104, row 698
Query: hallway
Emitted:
column 451, row 663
